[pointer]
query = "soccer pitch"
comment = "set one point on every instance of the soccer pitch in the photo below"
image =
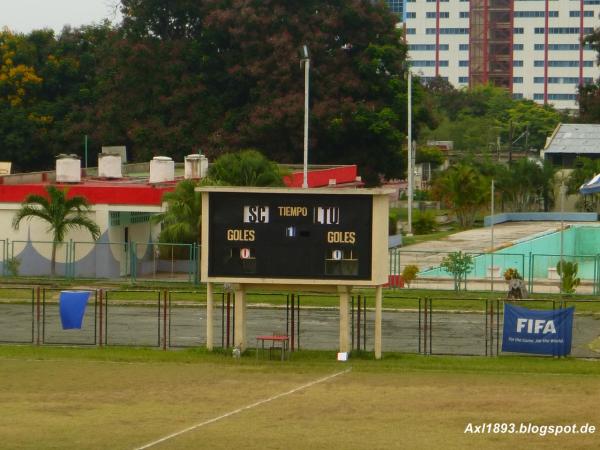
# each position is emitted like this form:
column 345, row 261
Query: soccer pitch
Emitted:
column 131, row 398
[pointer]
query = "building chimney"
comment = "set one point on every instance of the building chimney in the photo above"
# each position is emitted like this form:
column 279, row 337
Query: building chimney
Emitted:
column 162, row 169
column 196, row 166
column 109, row 165
column 192, row 166
column 68, row 169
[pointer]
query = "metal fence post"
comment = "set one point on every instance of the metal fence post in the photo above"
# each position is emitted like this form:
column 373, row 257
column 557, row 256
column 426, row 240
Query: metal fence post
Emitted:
column 165, row 320
column 38, row 314
column 133, row 261
column 100, row 296
column 531, row 267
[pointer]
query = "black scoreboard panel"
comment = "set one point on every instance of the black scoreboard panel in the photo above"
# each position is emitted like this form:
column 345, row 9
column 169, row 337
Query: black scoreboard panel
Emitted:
column 255, row 235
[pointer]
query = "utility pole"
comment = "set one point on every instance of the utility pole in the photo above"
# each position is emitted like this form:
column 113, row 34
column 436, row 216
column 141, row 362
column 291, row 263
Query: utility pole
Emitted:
column 492, row 237
column 510, row 141
column 409, row 171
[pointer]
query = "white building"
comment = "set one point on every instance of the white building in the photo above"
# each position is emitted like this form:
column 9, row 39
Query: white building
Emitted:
column 470, row 42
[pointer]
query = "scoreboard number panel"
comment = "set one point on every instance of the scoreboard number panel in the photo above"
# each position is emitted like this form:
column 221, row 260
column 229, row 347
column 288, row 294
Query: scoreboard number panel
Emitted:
column 289, row 235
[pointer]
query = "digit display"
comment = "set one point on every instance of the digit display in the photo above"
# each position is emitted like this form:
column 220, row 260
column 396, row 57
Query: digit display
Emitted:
column 295, row 236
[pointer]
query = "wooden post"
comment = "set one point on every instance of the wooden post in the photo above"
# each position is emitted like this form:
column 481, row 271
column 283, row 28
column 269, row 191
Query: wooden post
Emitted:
column 240, row 318
column 344, row 292
column 378, row 316
column 209, row 316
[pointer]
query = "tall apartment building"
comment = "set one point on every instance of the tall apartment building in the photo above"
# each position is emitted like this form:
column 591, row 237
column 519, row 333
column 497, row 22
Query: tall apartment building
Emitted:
column 531, row 47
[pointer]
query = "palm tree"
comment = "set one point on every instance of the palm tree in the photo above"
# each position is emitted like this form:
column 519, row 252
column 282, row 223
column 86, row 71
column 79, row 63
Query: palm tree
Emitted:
column 464, row 189
column 181, row 220
column 61, row 213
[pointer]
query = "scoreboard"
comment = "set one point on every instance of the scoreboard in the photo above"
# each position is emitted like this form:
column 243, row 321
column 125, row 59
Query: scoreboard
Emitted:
column 275, row 235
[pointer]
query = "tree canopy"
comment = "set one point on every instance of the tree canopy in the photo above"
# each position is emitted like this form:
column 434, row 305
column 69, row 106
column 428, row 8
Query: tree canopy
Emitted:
column 218, row 76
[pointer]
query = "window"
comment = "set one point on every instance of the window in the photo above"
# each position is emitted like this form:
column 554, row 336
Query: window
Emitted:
column 517, row 80
column 568, row 47
column 428, row 63
column 518, row 30
column 448, row 31
column 564, row 30
column 426, row 47
column 421, row 47
column 463, row 63
column 562, row 97
column 411, row 15
column 517, row 96
column 529, row 14
column 411, row 31
column 463, row 14
column 517, row 63
column 463, row 79
column 422, row 63
column 517, row 47
column 431, row 15
column 463, row 47
column 428, row 79
column 540, row 63
column 585, row 14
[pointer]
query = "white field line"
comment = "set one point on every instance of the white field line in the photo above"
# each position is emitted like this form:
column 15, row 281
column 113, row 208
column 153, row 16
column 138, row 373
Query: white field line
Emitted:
column 244, row 408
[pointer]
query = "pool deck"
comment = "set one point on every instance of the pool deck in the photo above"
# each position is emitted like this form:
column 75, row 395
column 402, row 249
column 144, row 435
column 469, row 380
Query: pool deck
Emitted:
column 479, row 240
column 429, row 254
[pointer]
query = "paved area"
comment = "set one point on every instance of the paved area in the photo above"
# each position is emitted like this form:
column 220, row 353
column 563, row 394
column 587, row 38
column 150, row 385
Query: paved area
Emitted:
column 451, row 332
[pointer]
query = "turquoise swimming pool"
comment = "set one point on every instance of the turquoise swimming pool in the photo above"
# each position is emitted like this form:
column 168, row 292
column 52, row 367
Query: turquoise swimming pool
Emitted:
column 536, row 256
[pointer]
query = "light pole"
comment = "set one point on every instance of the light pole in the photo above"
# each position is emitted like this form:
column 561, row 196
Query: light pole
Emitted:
column 409, row 171
column 492, row 232
column 306, row 60
column 563, row 191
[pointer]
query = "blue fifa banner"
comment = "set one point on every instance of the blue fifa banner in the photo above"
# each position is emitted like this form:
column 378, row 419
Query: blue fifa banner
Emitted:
column 72, row 306
column 538, row 332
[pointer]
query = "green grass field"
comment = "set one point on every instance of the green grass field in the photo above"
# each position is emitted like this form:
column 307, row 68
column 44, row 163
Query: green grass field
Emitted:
column 125, row 398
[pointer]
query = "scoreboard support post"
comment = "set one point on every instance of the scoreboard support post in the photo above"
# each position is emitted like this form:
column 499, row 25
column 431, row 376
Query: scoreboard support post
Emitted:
column 209, row 315
column 378, row 318
column 239, row 331
column 345, row 346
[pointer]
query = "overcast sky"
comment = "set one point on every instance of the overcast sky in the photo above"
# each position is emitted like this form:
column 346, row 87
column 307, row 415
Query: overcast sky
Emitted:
column 25, row 15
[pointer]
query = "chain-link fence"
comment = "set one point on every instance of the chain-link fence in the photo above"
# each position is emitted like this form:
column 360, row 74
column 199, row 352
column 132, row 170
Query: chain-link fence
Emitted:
column 17, row 315
column 175, row 318
column 486, row 271
column 100, row 260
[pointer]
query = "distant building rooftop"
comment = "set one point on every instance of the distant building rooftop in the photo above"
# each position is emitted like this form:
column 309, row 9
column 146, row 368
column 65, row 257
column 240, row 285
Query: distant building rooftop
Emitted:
column 572, row 140
column 582, row 138
column 134, row 188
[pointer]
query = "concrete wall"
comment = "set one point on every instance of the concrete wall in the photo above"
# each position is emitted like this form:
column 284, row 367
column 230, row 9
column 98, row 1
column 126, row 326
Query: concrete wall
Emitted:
column 107, row 257
column 539, row 216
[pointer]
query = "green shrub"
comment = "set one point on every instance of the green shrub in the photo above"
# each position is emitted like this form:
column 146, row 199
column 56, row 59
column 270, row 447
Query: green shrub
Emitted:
column 393, row 223
column 409, row 274
column 568, row 276
column 458, row 264
column 12, row 266
column 424, row 222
